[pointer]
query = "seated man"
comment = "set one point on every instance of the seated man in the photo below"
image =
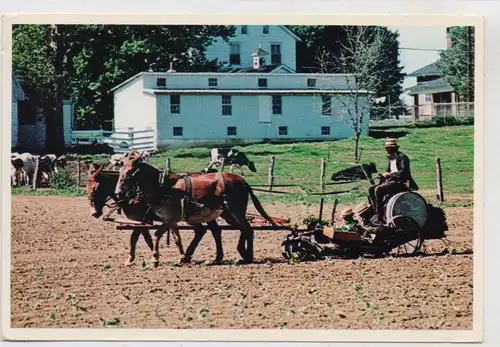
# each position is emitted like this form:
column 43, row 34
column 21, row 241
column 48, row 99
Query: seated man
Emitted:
column 366, row 218
column 350, row 224
column 396, row 179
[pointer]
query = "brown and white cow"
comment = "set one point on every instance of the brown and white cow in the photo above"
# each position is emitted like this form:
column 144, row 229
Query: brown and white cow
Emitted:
column 22, row 169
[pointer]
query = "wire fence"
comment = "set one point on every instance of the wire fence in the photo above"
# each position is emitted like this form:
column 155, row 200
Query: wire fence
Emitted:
column 443, row 110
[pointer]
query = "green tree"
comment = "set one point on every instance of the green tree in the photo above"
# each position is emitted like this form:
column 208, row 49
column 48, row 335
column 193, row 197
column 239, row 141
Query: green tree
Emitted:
column 363, row 57
column 457, row 62
column 85, row 61
column 316, row 40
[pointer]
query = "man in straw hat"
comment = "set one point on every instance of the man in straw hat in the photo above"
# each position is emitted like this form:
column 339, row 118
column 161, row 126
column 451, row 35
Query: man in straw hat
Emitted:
column 396, row 179
column 350, row 224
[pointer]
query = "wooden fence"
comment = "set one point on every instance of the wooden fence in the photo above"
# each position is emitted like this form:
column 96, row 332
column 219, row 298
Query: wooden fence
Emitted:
column 121, row 140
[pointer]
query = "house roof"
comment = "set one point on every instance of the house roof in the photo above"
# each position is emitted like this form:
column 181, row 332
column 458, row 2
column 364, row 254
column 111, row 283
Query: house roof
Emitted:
column 288, row 31
column 262, row 69
column 435, row 86
column 262, row 91
column 428, row 70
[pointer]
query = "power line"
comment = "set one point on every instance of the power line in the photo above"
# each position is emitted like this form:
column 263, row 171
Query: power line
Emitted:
column 421, row 49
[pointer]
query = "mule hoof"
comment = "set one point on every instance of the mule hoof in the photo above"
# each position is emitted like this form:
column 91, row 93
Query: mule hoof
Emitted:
column 185, row 260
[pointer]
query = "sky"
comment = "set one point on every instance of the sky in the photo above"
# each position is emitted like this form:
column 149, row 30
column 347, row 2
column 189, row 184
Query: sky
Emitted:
column 420, row 38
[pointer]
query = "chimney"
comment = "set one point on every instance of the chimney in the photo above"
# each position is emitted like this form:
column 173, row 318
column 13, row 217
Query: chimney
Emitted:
column 171, row 67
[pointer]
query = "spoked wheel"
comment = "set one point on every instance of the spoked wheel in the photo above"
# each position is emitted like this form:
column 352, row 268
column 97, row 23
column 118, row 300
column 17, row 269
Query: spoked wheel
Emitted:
column 299, row 249
column 406, row 238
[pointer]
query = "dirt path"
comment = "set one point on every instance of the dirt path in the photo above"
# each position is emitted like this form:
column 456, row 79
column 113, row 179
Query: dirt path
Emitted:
column 67, row 271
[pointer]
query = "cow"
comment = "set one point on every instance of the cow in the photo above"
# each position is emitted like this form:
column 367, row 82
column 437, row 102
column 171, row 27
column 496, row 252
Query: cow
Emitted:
column 50, row 164
column 23, row 169
column 231, row 156
column 116, row 160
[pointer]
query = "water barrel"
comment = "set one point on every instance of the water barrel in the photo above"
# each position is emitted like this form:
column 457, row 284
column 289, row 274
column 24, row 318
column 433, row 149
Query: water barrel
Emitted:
column 408, row 204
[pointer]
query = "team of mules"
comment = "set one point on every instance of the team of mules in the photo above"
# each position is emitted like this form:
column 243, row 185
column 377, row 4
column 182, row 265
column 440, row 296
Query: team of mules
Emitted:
column 145, row 193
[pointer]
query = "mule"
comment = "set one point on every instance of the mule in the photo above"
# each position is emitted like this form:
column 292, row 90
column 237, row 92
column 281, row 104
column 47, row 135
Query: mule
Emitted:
column 100, row 189
column 194, row 199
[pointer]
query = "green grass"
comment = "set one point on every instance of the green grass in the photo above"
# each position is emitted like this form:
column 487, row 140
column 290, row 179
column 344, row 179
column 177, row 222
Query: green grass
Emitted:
column 300, row 164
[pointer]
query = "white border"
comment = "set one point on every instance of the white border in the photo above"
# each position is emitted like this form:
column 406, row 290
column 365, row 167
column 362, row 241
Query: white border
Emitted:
column 264, row 335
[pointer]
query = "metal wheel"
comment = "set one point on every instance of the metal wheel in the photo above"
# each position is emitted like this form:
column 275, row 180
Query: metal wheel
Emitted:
column 299, row 249
column 406, row 238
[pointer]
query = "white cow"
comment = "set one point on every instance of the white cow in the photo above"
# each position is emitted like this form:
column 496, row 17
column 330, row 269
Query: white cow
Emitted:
column 231, row 156
column 23, row 169
column 116, row 160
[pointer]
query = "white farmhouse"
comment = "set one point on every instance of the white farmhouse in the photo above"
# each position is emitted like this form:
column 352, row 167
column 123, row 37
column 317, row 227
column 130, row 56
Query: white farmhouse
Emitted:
column 260, row 98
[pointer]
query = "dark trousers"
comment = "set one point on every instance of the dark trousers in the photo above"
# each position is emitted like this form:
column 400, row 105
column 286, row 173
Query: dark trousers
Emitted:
column 377, row 193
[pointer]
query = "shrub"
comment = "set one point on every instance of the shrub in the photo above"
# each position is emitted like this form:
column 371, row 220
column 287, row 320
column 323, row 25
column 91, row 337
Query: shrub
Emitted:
column 63, row 180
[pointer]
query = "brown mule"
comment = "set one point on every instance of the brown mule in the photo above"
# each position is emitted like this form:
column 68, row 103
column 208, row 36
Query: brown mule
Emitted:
column 194, row 199
column 100, row 187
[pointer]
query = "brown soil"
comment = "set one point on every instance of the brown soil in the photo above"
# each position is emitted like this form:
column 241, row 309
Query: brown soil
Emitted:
column 68, row 272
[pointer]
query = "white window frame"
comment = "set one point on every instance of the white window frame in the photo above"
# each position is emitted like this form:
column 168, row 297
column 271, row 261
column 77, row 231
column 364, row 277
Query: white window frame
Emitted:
column 284, row 127
column 280, row 104
column 235, row 44
column 211, row 79
column 235, row 131
column 324, row 103
column 262, row 79
column 175, row 108
column 164, row 84
column 227, row 105
column 329, row 131
column 280, row 53
column 176, row 128
column 244, row 32
column 264, row 27
column 313, row 84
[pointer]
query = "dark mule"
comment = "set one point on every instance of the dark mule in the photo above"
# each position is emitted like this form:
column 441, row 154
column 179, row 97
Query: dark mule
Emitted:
column 100, row 189
column 194, row 199
column 355, row 173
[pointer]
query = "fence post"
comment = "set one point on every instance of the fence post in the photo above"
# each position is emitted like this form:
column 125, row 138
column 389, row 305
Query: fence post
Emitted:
column 322, row 176
column 439, row 181
column 131, row 138
column 168, row 168
column 270, row 173
column 321, row 202
column 333, row 211
column 35, row 175
column 78, row 172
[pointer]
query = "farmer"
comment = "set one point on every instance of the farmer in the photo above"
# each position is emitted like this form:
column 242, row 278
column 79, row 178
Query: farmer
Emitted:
column 396, row 179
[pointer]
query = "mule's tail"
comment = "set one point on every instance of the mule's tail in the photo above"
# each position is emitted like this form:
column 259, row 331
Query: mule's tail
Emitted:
column 436, row 225
column 258, row 205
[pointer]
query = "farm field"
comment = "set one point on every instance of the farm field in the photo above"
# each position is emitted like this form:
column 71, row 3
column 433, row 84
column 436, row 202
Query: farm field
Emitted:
column 68, row 268
column 68, row 272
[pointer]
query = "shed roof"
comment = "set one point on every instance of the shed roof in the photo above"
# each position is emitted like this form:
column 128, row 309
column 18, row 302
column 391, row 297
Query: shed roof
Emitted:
column 435, row 86
column 428, row 70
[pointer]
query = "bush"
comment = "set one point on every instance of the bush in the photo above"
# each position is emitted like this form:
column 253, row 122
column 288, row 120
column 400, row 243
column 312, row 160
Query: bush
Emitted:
column 63, row 180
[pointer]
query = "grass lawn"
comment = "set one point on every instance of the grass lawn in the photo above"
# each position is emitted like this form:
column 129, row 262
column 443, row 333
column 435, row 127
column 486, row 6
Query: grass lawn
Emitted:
column 300, row 163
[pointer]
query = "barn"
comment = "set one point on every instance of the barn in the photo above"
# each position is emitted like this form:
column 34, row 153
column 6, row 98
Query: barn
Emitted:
column 259, row 97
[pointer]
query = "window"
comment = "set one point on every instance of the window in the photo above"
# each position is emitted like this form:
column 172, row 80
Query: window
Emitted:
column 275, row 53
column 177, row 131
column 226, row 105
column 311, row 82
column 276, row 104
column 262, row 82
column 265, row 29
column 327, row 105
column 283, row 130
column 428, row 97
column 161, row 82
column 175, row 104
column 325, row 130
column 234, row 54
column 212, row 82
column 244, row 29
column 231, row 131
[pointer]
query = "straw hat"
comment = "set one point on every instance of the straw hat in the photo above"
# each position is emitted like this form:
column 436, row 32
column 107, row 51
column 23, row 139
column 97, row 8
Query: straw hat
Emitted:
column 361, row 208
column 347, row 212
column 391, row 143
